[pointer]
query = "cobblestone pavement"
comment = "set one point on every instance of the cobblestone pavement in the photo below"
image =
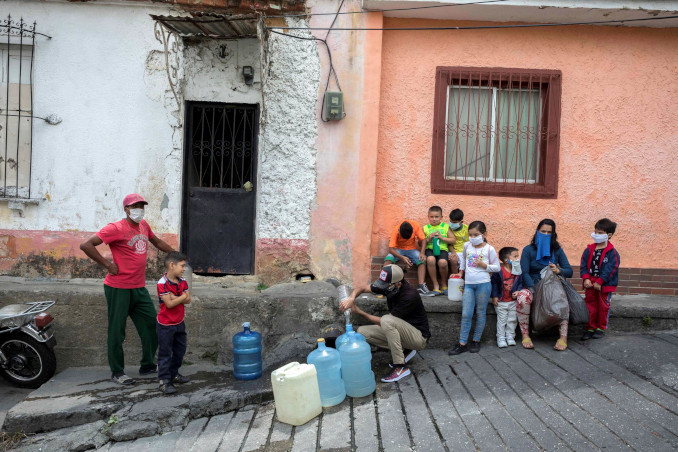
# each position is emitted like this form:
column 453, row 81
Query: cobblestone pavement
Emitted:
column 615, row 394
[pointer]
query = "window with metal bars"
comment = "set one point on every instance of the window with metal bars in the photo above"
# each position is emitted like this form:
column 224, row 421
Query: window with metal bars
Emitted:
column 496, row 132
column 16, row 107
column 222, row 138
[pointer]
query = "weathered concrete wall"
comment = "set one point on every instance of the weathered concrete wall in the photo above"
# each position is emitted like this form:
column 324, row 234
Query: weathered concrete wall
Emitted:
column 287, row 154
column 617, row 140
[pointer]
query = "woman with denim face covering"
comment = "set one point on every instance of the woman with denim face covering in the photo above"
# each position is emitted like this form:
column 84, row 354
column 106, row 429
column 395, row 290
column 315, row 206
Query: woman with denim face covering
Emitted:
column 543, row 251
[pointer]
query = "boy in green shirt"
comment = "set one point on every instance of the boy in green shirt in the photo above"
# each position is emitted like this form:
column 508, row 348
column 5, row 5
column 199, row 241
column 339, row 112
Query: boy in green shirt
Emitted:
column 437, row 240
column 460, row 232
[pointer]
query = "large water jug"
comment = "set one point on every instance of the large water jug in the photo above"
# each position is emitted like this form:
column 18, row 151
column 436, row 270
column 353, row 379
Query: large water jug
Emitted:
column 328, row 367
column 343, row 339
column 247, row 363
column 296, row 393
column 356, row 367
column 455, row 288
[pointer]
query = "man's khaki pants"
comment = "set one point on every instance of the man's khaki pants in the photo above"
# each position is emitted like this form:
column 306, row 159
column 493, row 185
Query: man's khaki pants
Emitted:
column 395, row 334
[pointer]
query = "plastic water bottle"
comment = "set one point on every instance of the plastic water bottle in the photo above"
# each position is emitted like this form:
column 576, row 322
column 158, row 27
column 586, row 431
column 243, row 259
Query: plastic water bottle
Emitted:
column 344, row 291
column 356, row 367
column 328, row 367
column 436, row 246
column 343, row 339
column 247, row 364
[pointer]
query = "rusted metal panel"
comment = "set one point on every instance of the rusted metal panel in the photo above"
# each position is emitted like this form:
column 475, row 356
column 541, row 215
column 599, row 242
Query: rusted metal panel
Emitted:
column 213, row 26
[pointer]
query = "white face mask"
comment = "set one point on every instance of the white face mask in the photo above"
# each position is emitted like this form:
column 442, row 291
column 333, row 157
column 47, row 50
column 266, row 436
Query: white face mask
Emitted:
column 136, row 215
column 599, row 238
column 515, row 268
column 477, row 240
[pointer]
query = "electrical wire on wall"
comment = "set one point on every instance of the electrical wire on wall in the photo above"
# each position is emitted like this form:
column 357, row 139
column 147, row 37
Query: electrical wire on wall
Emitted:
column 410, row 8
column 482, row 27
column 332, row 70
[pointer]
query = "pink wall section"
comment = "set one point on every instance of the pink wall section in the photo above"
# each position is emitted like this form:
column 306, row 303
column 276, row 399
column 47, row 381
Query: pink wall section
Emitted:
column 53, row 251
column 619, row 134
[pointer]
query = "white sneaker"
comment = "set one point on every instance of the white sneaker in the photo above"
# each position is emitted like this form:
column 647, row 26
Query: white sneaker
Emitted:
column 501, row 343
column 510, row 341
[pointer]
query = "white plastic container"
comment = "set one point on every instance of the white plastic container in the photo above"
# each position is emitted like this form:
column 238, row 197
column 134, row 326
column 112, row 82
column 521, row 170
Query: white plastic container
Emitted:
column 296, row 393
column 455, row 289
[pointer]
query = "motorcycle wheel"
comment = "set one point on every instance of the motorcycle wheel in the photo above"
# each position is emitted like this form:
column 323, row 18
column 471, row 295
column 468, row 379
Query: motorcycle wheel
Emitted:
column 30, row 363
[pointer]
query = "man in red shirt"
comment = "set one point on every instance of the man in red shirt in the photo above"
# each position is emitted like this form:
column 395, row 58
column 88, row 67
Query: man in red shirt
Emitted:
column 125, row 285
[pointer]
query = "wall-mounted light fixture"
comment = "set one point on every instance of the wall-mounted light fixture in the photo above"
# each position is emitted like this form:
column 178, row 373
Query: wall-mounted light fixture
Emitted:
column 248, row 74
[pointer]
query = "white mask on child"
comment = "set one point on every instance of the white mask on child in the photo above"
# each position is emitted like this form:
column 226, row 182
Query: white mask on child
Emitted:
column 599, row 238
column 515, row 268
column 477, row 240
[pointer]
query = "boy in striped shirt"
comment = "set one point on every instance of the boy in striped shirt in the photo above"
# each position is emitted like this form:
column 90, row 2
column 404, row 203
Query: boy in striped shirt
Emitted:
column 172, row 295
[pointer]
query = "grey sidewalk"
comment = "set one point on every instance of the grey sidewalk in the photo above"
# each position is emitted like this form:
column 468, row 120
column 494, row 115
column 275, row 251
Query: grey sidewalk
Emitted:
column 619, row 393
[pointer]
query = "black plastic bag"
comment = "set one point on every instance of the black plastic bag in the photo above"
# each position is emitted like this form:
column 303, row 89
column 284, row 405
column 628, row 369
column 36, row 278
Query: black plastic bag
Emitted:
column 579, row 313
column 550, row 305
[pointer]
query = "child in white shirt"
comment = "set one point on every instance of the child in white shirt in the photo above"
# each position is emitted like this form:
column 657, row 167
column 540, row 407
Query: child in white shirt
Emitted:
column 479, row 260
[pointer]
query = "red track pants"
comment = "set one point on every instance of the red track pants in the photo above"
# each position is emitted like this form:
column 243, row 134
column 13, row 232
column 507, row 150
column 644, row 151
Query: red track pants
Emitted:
column 598, row 304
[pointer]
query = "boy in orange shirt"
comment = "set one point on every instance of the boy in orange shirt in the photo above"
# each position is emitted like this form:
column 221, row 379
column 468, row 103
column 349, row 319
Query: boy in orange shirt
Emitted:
column 403, row 246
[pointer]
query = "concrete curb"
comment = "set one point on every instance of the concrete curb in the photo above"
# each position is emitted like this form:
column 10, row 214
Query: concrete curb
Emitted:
column 80, row 396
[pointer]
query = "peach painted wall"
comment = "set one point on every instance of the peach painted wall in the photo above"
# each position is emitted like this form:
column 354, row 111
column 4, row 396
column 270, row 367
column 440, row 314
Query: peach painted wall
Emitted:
column 341, row 219
column 619, row 134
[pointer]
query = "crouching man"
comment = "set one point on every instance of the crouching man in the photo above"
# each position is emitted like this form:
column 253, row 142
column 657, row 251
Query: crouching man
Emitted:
column 404, row 330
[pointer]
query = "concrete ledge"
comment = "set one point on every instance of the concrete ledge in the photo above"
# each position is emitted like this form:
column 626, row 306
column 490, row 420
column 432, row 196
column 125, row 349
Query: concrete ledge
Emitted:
column 79, row 396
column 289, row 316
column 629, row 313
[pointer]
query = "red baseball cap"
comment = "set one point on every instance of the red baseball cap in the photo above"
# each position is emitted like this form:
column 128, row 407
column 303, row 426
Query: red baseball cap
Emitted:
column 132, row 199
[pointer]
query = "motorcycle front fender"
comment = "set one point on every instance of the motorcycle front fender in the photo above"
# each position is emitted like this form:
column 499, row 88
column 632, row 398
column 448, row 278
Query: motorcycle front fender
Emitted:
column 44, row 335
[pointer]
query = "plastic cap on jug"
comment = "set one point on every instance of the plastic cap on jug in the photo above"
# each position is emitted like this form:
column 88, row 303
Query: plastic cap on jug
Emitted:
column 246, row 325
column 321, row 343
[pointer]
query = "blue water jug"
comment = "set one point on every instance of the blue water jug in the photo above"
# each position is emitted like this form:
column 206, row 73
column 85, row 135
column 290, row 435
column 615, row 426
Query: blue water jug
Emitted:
column 328, row 368
column 247, row 363
column 356, row 367
column 343, row 339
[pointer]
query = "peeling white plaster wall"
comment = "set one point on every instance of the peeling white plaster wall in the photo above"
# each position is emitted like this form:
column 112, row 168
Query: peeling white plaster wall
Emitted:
column 287, row 152
column 116, row 132
column 104, row 74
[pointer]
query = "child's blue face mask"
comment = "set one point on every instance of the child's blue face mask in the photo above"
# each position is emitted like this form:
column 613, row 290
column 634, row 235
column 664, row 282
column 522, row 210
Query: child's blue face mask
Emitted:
column 455, row 226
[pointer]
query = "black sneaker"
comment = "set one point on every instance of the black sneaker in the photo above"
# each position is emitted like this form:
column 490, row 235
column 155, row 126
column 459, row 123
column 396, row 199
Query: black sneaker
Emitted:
column 588, row 334
column 474, row 347
column 180, row 379
column 424, row 292
column 148, row 370
column 597, row 334
column 167, row 387
column 458, row 349
column 122, row 379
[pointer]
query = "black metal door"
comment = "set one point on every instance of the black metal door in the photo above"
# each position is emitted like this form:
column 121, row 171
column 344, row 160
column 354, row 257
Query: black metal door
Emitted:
column 219, row 191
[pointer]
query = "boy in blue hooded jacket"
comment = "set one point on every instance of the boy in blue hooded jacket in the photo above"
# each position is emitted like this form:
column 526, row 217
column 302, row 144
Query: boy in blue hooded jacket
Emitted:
column 599, row 271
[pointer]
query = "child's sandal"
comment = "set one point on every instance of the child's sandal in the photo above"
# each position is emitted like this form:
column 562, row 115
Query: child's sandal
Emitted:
column 527, row 343
column 560, row 346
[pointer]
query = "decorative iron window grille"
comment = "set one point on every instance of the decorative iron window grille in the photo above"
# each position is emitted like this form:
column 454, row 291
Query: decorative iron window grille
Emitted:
column 16, row 107
column 496, row 132
column 221, row 140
